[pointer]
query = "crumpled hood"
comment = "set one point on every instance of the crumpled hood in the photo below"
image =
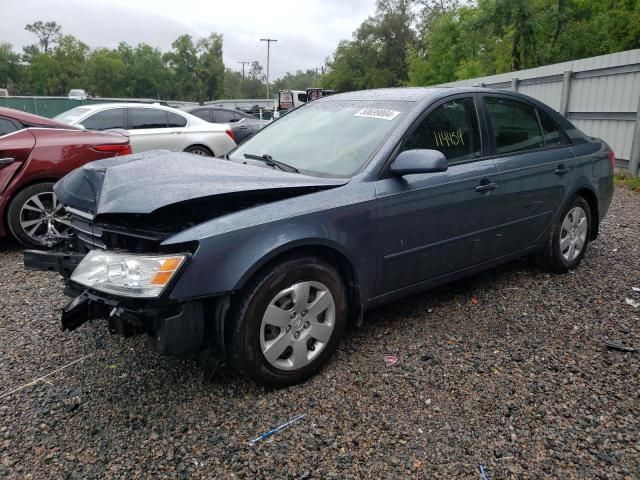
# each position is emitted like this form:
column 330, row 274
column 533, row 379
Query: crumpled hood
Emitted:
column 147, row 181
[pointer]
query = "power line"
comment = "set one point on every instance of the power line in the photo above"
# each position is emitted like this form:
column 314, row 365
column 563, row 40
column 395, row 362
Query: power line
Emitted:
column 268, row 40
column 243, row 64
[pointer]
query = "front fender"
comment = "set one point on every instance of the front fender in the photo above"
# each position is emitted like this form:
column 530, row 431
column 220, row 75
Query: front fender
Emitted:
column 223, row 263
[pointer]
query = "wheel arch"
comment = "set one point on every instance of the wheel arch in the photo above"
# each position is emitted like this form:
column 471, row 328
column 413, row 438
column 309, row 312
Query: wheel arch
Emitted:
column 201, row 145
column 592, row 199
column 328, row 251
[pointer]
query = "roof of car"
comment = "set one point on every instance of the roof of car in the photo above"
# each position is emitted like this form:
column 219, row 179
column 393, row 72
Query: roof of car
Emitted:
column 407, row 94
column 100, row 106
column 30, row 119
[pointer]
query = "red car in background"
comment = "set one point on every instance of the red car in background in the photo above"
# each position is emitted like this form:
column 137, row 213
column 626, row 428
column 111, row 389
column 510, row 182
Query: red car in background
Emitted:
column 35, row 152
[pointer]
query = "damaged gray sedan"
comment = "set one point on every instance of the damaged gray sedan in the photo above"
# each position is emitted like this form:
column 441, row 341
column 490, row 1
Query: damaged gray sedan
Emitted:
column 261, row 259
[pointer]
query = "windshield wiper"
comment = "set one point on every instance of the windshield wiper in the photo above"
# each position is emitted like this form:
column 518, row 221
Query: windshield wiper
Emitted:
column 268, row 159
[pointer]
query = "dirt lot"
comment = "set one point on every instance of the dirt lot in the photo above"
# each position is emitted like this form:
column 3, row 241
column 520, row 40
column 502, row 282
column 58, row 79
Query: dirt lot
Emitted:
column 508, row 369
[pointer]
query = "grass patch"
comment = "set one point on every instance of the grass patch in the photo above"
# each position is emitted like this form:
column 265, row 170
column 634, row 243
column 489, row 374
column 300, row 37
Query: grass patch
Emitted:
column 626, row 180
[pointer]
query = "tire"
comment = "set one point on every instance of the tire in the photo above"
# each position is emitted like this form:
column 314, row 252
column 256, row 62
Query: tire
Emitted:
column 199, row 150
column 38, row 202
column 569, row 238
column 306, row 341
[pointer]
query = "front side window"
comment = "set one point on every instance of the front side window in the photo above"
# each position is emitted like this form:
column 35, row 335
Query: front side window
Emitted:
column 203, row 114
column 224, row 116
column 176, row 121
column 113, row 118
column 515, row 125
column 327, row 138
column 452, row 128
column 147, row 118
column 7, row 126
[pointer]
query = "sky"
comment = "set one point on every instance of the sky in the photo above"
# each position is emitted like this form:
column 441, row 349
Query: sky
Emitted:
column 307, row 30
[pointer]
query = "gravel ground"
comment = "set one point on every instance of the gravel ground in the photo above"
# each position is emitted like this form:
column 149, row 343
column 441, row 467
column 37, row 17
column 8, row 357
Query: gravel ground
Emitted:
column 508, row 369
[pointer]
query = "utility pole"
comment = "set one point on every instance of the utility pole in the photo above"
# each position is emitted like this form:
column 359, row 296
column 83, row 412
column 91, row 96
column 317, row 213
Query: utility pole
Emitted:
column 243, row 64
column 268, row 40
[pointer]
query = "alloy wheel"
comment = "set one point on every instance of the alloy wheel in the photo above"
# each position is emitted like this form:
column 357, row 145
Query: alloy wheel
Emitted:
column 44, row 220
column 297, row 325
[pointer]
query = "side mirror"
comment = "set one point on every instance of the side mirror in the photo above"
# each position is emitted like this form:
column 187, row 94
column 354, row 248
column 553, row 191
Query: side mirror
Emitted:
column 419, row 161
column 81, row 126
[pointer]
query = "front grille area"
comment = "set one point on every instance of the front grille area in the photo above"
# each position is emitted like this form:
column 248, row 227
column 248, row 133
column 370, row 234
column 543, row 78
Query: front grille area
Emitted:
column 90, row 235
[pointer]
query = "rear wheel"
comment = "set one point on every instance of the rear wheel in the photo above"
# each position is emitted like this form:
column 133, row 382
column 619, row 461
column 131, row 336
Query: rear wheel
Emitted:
column 569, row 237
column 288, row 322
column 199, row 150
column 36, row 218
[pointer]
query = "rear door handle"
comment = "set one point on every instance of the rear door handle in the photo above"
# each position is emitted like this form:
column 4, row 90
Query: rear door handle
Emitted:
column 7, row 160
column 561, row 170
column 486, row 185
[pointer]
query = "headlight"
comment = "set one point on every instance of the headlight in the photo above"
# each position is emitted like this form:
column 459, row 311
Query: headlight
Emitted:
column 128, row 275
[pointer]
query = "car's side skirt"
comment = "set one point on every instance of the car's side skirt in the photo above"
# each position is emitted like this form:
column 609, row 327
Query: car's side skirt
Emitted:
column 449, row 277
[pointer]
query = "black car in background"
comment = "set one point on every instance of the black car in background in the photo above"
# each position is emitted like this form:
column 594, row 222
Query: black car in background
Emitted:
column 242, row 124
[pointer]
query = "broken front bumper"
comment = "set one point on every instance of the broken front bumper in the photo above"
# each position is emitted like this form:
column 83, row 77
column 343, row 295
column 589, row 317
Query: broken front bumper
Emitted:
column 176, row 328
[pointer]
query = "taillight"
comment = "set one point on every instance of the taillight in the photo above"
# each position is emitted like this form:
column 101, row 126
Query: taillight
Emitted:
column 231, row 134
column 612, row 159
column 116, row 149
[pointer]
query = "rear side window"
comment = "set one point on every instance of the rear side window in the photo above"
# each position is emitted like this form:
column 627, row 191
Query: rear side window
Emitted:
column 147, row 118
column 515, row 125
column 452, row 128
column 551, row 133
column 7, row 126
column 175, row 120
column 105, row 120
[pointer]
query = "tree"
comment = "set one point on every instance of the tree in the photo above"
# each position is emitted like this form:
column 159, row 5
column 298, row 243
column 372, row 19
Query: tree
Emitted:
column 47, row 33
column 71, row 57
column 377, row 54
column 300, row 80
column 106, row 73
column 10, row 68
column 210, row 67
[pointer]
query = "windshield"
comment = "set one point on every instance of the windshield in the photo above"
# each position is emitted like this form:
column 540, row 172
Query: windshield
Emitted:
column 71, row 116
column 334, row 138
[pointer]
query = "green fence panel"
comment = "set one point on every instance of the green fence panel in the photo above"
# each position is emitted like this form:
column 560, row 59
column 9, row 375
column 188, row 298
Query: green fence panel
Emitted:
column 51, row 106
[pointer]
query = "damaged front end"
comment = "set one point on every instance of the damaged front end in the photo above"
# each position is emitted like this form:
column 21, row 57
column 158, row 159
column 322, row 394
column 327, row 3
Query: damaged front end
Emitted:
column 123, row 264
column 176, row 328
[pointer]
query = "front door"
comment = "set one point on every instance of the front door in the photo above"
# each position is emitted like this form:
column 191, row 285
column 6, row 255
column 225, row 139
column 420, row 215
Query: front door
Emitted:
column 433, row 224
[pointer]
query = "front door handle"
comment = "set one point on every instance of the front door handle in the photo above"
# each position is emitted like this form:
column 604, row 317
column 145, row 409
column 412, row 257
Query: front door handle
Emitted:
column 7, row 160
column 561, row 170
column 486, row 185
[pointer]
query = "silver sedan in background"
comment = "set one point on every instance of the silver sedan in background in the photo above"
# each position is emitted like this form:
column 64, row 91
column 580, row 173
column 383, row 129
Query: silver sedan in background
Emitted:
column 153, row 126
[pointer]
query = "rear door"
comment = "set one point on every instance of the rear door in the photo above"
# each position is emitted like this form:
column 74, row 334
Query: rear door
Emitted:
column 149, row 130
column 536, row 166
column 433, row 224
column 16, row 144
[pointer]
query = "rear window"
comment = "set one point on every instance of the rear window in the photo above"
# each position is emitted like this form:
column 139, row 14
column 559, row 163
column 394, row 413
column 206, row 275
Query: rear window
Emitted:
column 147, row 118
column 106, row 119
column 551, row 132
column 71, row 117
column 174, row 120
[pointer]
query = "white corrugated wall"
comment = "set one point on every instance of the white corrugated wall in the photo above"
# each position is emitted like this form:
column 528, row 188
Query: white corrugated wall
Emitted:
column 593, row 93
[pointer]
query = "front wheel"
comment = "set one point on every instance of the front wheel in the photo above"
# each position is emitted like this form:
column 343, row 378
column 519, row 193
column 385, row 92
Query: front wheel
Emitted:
column 288, row 322
column 569, row 237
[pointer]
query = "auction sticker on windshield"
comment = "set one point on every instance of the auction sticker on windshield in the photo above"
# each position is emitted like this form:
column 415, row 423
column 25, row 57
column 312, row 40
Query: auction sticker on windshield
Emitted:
column 380, row 113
